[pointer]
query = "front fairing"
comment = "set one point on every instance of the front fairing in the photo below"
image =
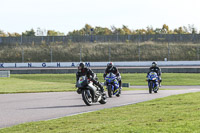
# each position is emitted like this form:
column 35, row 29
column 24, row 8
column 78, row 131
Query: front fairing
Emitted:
column 152, row 77
column 110, row 78
column 82, row 82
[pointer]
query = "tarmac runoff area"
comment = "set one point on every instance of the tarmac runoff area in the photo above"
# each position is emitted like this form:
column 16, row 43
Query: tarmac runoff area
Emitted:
column 28, row 107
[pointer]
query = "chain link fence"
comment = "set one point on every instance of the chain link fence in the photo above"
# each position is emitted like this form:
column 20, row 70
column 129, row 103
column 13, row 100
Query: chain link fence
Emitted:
column 186, row 38
column 100, row 48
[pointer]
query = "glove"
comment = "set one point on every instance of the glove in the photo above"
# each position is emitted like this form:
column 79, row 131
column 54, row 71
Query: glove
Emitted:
column 91, row 77
column 118, row 78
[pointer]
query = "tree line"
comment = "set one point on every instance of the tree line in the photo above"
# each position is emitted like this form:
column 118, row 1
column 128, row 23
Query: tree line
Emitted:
column 89, row 30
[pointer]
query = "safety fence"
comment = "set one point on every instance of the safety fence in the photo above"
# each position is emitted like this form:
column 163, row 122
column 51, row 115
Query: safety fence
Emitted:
column 172, row 38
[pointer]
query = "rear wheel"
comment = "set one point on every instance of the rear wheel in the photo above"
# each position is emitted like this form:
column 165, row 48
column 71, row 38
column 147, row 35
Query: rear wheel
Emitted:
column 103, row 99
column 118, row 94
column 87, row 97
column 156, row 89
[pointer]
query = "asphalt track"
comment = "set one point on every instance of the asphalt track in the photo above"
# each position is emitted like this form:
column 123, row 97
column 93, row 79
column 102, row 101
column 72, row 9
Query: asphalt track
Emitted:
column 20, row 108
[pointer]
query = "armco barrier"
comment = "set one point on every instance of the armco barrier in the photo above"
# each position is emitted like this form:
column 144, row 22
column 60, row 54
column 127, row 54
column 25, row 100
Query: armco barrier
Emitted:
column 101, row 70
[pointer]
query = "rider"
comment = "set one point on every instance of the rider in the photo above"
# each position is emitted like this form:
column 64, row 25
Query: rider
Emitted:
column 114, row 70
column 82, row 71
column 155, row 68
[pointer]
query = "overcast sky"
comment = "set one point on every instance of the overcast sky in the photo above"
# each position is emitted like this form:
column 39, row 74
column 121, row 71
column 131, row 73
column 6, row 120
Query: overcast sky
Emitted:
column 67, row 15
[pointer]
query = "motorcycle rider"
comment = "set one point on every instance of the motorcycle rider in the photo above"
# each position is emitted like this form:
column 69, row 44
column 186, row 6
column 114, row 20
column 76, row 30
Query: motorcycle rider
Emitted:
column 155, row 68
column 114, row 70
column 82, row 71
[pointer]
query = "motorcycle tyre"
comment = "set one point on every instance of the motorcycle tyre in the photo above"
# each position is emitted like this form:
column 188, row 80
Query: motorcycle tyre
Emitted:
column 118, row 94
column 85, row 98
column 103, row 100
column 150, row 87
column 109, row 91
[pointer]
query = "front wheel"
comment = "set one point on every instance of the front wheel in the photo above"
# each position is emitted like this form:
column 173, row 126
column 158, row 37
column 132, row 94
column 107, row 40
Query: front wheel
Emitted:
column 109, row 88
column 150, row 86
column 87, row 97
column 118, row 94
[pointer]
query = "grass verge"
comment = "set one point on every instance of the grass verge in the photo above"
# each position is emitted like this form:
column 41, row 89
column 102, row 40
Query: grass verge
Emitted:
column 175, row 114
column 25, row 83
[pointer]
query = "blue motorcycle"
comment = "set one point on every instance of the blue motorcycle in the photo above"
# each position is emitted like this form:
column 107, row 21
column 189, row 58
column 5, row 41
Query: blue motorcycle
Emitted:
column 152, row 79
column 112, row 85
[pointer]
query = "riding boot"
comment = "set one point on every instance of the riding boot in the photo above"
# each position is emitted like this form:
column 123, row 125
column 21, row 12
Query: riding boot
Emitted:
column 101, row 87
column 120, row 86
column 160, row 80
column 159, row 84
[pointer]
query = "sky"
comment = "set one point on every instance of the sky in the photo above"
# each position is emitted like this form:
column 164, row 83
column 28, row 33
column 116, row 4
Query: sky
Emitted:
column 68, row 15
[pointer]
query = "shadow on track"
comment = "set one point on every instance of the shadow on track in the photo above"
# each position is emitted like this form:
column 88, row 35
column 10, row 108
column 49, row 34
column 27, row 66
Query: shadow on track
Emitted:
column 136, row 93
column 56, row 107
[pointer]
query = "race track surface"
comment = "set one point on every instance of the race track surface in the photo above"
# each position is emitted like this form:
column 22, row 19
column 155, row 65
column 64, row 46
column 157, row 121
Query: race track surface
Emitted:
column 20, row 108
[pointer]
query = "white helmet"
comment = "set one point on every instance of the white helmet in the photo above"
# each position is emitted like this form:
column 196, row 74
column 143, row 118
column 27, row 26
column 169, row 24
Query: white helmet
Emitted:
column 154, row 64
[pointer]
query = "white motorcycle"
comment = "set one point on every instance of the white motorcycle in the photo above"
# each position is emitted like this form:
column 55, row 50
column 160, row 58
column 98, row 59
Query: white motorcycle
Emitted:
column 90, row 92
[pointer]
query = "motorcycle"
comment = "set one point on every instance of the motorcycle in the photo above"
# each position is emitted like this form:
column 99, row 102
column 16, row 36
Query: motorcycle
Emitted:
column 152, row 79
column 112, row 85
column 90, row 92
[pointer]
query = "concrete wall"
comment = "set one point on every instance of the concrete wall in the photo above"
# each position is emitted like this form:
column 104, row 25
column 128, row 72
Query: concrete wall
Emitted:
column 99, row 67
column 97, row 64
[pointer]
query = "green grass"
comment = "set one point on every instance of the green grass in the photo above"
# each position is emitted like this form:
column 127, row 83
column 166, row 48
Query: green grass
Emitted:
column 66, row 82
column 37, row 83
column 167, row 79
column 174, row 114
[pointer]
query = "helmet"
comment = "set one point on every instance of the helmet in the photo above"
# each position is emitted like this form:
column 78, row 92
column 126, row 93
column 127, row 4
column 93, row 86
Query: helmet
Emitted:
column 154, row 64
column 81, row 66
column 110, row 65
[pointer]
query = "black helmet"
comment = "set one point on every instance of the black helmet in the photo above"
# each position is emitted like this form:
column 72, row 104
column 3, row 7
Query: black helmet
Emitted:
column 81, row 66
column 110, row 65
column 154, row 64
